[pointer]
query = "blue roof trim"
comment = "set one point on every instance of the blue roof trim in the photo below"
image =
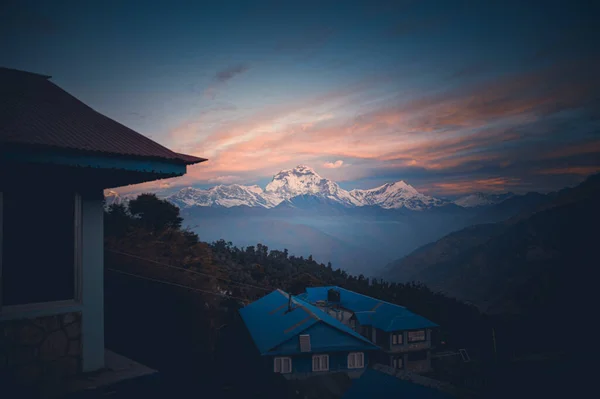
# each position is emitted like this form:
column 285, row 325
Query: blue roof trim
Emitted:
column 369, row 311
column 166, row 168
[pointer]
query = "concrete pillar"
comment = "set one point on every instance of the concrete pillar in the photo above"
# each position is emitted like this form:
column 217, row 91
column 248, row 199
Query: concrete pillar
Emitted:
column 92, row 290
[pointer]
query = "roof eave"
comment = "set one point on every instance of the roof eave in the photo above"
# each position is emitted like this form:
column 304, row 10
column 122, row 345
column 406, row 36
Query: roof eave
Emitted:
column 190, row 159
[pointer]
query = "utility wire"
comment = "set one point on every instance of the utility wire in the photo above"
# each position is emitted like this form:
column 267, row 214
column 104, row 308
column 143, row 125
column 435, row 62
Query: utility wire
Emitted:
column 175, row 284
column 188, row 270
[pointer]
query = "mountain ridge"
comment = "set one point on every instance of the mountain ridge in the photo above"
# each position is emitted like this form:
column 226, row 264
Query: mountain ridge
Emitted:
column 302, row 181
column 515, row 264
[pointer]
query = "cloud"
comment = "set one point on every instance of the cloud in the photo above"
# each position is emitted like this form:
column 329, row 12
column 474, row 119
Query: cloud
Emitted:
column 230, row 72
column 489, row 185
column 225, row 179
column 505, row 127
column 334, row 165
column 575, row 170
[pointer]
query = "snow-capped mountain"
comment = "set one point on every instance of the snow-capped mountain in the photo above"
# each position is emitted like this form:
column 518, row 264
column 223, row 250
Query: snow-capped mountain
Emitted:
column 481, row 199
column 112, row 197
column 225, row 196
column 303, row 180
column 301, row 186
column 396, row 195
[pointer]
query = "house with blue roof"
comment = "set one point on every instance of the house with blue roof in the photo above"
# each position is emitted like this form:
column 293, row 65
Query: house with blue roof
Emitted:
column 299, row 340
column 404, row 338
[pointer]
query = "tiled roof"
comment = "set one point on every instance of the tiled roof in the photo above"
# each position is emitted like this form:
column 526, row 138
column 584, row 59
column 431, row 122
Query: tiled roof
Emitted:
column 270, row 324
column 371, row 311
column 36, row 112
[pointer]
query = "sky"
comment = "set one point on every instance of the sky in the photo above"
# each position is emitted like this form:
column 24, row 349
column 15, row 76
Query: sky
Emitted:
column 450, row 96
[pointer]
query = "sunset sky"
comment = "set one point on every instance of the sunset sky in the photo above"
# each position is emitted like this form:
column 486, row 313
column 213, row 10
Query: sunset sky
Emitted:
column 450, row 96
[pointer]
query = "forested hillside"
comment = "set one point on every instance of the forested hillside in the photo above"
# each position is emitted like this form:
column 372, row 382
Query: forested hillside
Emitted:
column 532, row 264
column 148, row 240
column 172, row 301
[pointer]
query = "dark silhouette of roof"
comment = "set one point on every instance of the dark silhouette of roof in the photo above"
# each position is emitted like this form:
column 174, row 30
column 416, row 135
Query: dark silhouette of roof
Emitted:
column 36, row 112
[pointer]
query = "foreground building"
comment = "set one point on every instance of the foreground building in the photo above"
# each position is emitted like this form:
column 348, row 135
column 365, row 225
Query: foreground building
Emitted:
column 299, row 340
column 57, row 155
column 404, row 338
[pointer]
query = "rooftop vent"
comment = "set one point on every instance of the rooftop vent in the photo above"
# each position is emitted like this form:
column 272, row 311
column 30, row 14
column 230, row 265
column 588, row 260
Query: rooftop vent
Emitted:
column 304, row 342
column 333, row 295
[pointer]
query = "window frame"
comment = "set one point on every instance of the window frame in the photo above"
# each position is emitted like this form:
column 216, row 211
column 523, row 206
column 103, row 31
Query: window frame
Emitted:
column 396, row 361
column 410, row 341
column 356, row 356
column 281, row 360
column 37, row 309
column 320, row 358
column 398, row 338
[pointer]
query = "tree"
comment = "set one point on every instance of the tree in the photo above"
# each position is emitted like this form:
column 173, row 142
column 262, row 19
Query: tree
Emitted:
column 155, row 214
column 116, row 220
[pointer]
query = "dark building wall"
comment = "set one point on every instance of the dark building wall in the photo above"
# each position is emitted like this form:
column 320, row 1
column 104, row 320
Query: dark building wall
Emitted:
column 39, row 351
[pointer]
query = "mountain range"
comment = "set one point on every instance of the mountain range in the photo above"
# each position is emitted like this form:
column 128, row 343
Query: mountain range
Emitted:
column 304, row 181
column 358, row 230
column 529, row 263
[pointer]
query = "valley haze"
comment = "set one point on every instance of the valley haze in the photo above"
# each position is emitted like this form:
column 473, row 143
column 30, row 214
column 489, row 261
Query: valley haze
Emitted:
column 358, row 230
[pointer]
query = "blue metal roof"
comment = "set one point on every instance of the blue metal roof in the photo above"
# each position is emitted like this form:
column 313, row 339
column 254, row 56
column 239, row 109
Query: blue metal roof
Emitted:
column 371, row 311
column 374, row 384
column 271, row 324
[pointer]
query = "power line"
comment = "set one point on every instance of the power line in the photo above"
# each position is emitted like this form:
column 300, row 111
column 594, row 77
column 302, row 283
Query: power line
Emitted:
column 188, row 270
column 175, row 284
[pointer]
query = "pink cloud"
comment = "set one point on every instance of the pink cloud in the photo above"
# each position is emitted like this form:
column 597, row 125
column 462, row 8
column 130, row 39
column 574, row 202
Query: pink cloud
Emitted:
column 225, row 179
column 334, row 165
column 433, row 132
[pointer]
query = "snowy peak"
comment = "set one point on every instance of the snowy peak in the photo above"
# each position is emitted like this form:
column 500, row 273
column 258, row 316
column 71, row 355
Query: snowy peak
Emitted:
column 114, row 198
column 481, row 199
column 396, row 195
column 303, row 187
column 303, row 180
column 225, row 196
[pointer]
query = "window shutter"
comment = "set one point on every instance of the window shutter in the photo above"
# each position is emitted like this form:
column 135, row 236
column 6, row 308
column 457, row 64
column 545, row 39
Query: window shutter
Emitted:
column 304, row 342
column 278, row 365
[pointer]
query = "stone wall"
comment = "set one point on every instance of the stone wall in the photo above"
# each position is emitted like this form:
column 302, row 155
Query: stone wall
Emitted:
column 40, row 351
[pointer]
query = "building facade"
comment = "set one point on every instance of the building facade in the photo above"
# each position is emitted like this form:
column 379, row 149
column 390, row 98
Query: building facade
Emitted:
column 298, row 340
column 57, row 155
column 403, row 337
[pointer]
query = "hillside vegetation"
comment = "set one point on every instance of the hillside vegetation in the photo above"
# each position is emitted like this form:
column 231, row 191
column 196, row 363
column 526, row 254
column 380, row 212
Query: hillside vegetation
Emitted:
column 533, row 263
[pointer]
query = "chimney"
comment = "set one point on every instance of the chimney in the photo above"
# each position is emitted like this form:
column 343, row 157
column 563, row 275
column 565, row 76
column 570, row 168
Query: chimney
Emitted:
column 290, row 303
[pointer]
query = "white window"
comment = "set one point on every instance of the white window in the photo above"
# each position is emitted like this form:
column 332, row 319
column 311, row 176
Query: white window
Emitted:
column 397, row 362
column 320, row 363
column 416, row 336
column 55, row 229
column 304, row 340
column 397, row 339
column 283, row 365
column 356, row 360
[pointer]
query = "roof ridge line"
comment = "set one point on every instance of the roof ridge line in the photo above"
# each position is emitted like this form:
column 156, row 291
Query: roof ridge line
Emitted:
column 358, row 293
